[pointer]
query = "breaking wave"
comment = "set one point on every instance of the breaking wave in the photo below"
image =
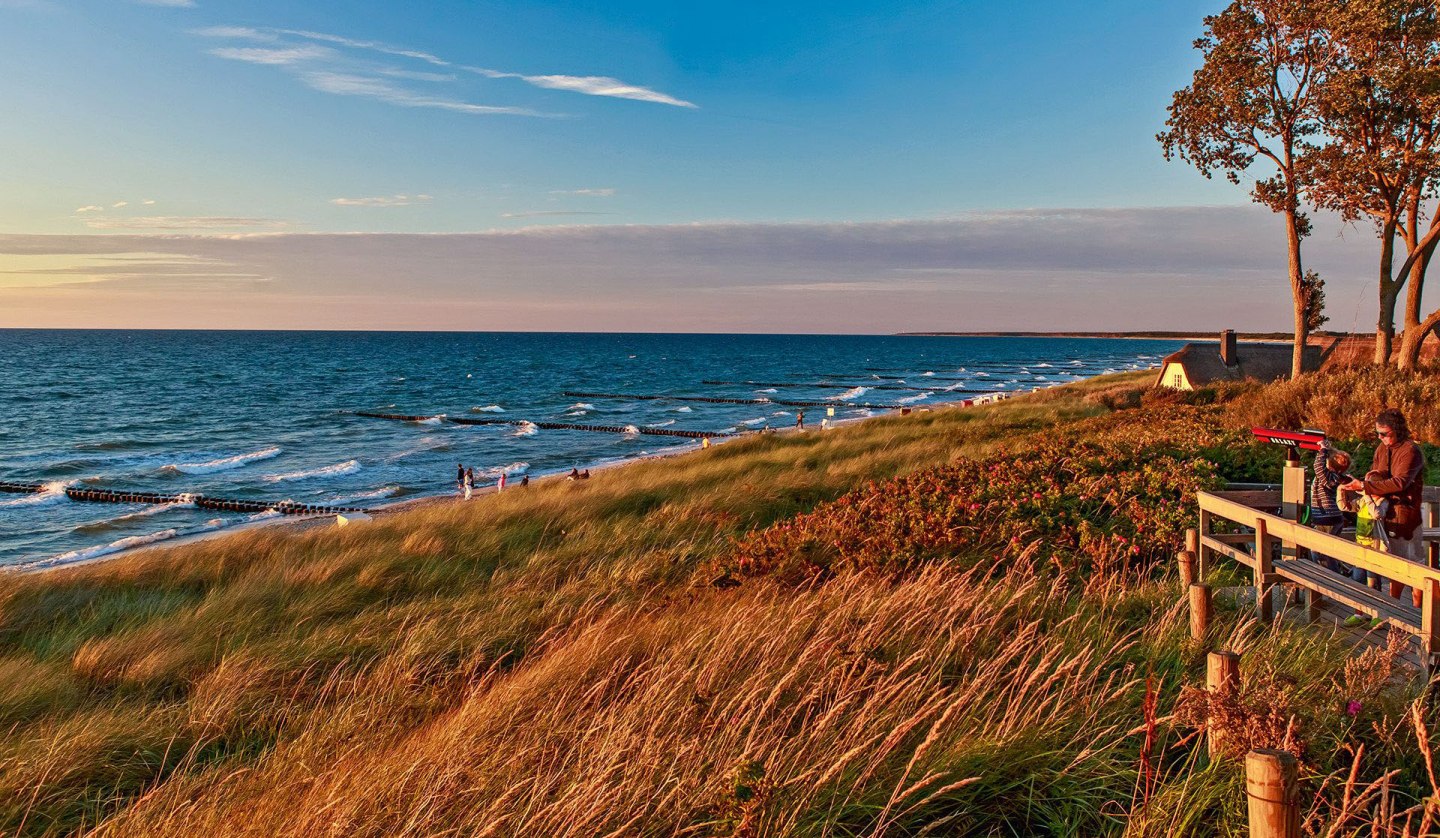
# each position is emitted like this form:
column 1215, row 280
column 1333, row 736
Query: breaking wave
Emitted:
column 527, row 429
column 347, row 467
column 489, row 408
column 224, row 463
column 53, row 491
column 852, row 394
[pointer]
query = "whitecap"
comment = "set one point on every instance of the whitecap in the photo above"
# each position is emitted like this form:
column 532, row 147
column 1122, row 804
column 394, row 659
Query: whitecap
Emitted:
column 1044, row 365
column 913, row 399
column 631, row 430
column 527, row 429
column 768, row 390
column 581, row 406
column 513, row 468
column 851, row 394
column 489, row 408
column 667, row 423
column 924, row 374
column 347, row 467
column 224, row 463
column 756, row 421
column 683, row 409
column 433, row 420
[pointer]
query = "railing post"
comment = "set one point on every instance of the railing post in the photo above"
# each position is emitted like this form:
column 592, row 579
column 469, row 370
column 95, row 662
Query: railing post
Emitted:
column 1222, row 674
column 1264, row 568
column 1432, row 521
column 1192, row 541
column 1186, row 560
column 1202, row 608
column 1430, row 625
column 1202, row 554
column 1272, row 787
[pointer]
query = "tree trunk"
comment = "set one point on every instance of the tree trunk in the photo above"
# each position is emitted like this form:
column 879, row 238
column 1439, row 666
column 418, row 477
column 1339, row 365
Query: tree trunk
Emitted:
column 1297, row 292
column 1414, row 335
column 1410, row 348
column 1389, row 290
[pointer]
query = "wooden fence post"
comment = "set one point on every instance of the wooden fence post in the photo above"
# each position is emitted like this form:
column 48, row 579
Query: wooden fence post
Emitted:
column 1192, row 541
column 1430, row 625
column 1264, row 569
column 1202, row 608
column 1222, row 674
column 1186, row 560
column 1432, row 520
column 1202, row 557
column 1271, row 784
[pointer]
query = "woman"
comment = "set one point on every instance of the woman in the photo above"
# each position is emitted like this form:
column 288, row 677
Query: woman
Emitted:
column 1397, row 474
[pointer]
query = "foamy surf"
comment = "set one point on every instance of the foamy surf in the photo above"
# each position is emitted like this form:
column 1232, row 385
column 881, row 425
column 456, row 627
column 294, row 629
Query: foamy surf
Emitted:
column 224, row 463
column 768, row 390
column 186, row 502
column 347, row 467
column 667, row 423
column 527, row 429
column 851, row 394
column 513, row 468
column 759, row 420
column 914, row 399
column 684, row 408
column 53, row 491
column 374, row 494
column 489, row 408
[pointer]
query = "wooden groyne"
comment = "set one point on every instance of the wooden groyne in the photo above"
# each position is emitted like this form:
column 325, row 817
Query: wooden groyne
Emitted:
column 552, row 426
column 722, row 400
column 200, row 501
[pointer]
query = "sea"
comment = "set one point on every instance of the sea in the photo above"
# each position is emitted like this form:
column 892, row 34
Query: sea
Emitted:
column 270, row 416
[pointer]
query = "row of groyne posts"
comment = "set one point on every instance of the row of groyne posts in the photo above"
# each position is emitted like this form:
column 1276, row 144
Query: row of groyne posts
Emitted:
column 199, row 501
column 1258, row 527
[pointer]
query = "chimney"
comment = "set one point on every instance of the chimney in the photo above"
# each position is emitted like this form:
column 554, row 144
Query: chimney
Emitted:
column 1227, row 348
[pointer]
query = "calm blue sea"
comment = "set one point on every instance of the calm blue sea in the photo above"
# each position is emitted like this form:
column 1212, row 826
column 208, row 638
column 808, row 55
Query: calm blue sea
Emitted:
column 263, row 415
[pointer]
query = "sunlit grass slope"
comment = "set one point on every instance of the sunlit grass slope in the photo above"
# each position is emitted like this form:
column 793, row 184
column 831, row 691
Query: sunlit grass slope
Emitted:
column 557, row 661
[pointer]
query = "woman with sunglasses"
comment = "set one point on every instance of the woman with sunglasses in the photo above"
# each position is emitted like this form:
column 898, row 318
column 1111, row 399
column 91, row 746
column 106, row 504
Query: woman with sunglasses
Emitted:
column 1397, row 474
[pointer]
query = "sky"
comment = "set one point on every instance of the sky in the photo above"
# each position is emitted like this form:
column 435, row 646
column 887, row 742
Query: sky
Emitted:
column 834, row 166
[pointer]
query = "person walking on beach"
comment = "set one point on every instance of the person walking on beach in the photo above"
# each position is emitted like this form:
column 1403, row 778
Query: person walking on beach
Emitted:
column 500, row 485
column 1397, row 474
column 469, row 482
column 460, row 478
column 799, row 420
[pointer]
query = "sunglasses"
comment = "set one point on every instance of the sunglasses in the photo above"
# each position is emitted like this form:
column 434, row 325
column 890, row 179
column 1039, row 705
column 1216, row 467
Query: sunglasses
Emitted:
column 1384, row 434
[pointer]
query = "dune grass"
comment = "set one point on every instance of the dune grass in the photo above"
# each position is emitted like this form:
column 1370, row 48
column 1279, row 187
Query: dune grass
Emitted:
column 555, row 661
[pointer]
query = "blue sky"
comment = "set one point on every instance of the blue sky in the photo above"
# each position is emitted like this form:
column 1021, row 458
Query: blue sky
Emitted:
column 213, row 119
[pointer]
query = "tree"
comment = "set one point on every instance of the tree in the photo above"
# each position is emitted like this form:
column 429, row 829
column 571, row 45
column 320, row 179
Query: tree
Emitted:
column 1253, row 101
column 1379, row 105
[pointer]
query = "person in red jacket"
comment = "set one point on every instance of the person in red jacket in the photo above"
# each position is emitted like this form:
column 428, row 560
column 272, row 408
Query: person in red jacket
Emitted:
column 1398, row 474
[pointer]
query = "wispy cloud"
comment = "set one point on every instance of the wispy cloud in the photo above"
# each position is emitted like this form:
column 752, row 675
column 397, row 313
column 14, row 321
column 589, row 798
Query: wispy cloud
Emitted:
column 279, row 57
column 590, row 86
column 176, row 222
column 351, row 84
column 381, row 201
column 90, row 208
column 332, row 64
column 543, row 213
column 592, row 193
column 119, row 204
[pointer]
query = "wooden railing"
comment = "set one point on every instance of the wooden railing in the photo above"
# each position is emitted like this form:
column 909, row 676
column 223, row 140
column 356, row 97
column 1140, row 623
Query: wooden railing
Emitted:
column 1281, row 551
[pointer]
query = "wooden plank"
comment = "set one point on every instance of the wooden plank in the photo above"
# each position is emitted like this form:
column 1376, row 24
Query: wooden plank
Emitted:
column 1235, row 554
column 1430, row 622
column 1375, row 561
column 1363, row 599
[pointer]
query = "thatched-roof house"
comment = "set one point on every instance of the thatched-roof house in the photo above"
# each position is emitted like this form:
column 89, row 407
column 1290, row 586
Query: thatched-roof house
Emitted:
column 1198, row 364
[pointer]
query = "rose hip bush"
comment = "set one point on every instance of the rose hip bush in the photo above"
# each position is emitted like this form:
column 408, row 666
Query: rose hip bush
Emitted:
column 1120, row 489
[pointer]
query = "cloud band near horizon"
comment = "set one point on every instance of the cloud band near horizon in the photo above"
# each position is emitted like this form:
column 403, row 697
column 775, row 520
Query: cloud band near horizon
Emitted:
column 1101, row 269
